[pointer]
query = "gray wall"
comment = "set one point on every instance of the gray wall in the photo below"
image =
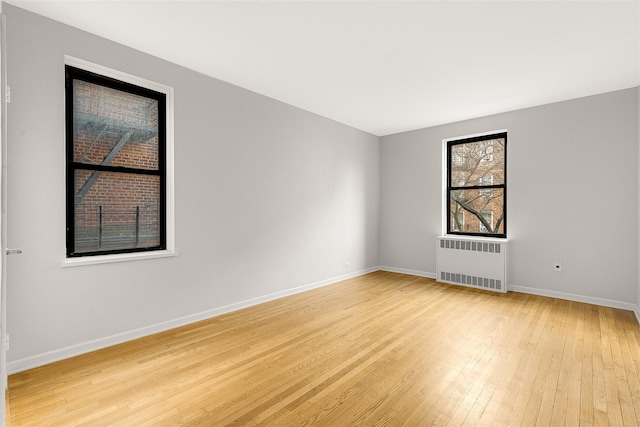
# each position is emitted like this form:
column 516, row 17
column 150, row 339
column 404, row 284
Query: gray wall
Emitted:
column 572, row 196
column 268, row 198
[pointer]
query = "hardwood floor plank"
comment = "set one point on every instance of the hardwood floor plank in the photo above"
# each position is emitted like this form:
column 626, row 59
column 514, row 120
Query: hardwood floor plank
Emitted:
column 383, row 349
column 574, row 368
column 630, row 344
column 623, row 386
column 543, row 342
column 561, row 369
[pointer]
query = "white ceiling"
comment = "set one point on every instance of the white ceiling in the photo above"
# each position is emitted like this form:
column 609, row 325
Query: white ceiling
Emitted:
column 384, row 66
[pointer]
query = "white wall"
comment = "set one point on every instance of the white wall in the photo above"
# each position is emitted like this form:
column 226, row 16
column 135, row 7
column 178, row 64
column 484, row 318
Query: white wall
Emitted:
column 268, row 198
column 572, row 196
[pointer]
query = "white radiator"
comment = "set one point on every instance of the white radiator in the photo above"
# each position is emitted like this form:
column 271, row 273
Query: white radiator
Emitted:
column 474, row 262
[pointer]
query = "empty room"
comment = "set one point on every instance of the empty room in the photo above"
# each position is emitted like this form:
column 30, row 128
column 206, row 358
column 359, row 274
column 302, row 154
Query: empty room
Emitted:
column 330, row 213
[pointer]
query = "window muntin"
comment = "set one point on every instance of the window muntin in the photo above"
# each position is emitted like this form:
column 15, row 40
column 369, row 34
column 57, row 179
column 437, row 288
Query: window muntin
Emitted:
column 116, row 166
column 476, row 185
column 486, row 181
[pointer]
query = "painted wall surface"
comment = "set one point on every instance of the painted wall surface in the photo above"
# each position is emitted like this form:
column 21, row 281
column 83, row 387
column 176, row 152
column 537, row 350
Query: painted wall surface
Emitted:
column 572, row 195
column 268, row 198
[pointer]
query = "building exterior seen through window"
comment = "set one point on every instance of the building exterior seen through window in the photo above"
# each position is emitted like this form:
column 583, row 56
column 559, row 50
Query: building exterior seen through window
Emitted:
column 116, row 168
column 476, row 186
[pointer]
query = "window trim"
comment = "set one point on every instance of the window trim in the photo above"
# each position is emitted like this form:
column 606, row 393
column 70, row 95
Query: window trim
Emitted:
column 446, row 184
column 169, row 228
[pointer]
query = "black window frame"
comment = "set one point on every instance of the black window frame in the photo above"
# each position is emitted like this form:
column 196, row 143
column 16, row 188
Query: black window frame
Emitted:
column 73, row 73
column 450, row 187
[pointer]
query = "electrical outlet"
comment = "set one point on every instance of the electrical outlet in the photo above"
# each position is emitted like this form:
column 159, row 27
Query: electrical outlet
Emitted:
column 6, row 342
column 347, row 264
column 557, row 266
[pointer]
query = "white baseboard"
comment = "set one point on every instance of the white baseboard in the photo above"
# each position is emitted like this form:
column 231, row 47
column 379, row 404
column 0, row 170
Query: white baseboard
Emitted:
column 100, row 343
column 578, row 298
column 407, row 271
column 637, row 312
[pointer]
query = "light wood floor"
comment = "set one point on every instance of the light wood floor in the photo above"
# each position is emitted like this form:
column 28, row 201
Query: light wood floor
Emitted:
column 381, row 349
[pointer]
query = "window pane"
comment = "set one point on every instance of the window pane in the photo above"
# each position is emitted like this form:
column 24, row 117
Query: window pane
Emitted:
column 457, row 220
column 476, row 203
column 116, row 211
column 115, row 128
column 473, row 161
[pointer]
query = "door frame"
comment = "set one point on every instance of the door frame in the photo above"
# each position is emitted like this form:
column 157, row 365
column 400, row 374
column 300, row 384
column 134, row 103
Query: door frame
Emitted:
column 3, row 219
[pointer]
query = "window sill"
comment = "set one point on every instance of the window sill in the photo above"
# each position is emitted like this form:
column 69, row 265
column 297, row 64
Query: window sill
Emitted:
column 107, row 259
column 476, row 238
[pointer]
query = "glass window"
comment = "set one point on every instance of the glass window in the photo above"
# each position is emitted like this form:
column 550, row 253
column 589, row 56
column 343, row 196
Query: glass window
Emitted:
column 458, row 220
column 486, row 181
column 476, row 185
column 486, row 221
column 116, row 166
